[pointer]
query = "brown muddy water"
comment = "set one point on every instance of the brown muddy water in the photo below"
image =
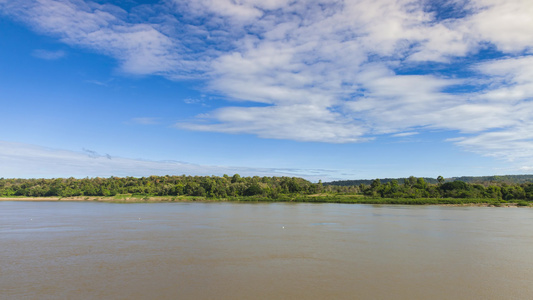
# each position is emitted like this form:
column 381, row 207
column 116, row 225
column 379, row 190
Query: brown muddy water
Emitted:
column 72, row 250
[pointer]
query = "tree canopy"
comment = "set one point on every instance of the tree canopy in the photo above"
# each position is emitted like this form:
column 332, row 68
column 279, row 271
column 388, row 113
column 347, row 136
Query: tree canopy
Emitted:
column 268, row 187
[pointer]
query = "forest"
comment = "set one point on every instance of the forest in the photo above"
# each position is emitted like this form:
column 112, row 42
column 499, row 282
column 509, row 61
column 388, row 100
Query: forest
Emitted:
column 273, row 188
column 203, row 186
column 484, row 180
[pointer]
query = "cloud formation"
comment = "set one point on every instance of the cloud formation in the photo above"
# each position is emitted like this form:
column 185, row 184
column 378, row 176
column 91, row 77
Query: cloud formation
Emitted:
column 31, row 161
column 327, row 70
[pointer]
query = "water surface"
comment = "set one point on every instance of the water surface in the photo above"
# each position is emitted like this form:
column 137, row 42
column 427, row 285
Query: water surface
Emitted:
column 90, row 250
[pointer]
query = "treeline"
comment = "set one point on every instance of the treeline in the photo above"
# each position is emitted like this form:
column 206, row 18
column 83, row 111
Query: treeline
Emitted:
column 413, row 187
column 484, row 180
column 369, row 181
column 509, row 179
column 205, row 186
column 265, row 187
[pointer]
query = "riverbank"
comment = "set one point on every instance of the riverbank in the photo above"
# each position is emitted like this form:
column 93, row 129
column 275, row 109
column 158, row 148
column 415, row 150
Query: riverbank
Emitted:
column 348, row 199
column 121, row 198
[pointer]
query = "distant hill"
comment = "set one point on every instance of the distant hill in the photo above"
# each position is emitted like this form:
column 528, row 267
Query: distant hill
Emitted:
column 510, row 179
column 369, row 181
column 496, row 178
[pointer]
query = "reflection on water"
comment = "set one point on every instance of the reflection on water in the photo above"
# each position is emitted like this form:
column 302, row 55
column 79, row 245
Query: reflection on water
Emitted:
column 69, row 250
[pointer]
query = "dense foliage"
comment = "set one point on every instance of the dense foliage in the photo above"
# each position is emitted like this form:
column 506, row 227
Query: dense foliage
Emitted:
column 264, row 187
column 369, row 181
column 413, row 187
column 205, row 186
column 508, row 179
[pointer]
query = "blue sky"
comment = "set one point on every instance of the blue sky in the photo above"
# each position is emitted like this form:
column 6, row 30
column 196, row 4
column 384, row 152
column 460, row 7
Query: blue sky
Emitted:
column 319, row 89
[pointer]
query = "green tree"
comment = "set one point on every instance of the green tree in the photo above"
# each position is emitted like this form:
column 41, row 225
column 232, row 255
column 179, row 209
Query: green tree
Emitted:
column 236, row 178
column 252, row 190
column 375, row 184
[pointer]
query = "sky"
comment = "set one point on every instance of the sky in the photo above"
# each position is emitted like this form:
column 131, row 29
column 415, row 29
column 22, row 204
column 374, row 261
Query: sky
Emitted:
column 319, row 89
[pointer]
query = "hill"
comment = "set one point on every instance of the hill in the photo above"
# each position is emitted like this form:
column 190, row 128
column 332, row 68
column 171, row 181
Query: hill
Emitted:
column 509, row 179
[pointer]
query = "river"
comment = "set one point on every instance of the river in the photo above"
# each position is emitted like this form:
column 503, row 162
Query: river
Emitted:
column 91, row 250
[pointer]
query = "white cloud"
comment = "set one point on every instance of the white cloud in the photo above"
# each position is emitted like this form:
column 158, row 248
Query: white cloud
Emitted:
column 140, row 48
column 404, row 134
column 514, row 144
column 511, row 80
column 30, row 161
column 507, row 24
column 325, row 70
column 294, row 122
column 236, row 10
column 508, row 103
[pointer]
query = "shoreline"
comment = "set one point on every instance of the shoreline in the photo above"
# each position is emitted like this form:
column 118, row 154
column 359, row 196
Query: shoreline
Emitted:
column 159, row 199
column 105, row 199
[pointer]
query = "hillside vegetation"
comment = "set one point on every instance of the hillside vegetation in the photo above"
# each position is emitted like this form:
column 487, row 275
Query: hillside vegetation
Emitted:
column 484, row 180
